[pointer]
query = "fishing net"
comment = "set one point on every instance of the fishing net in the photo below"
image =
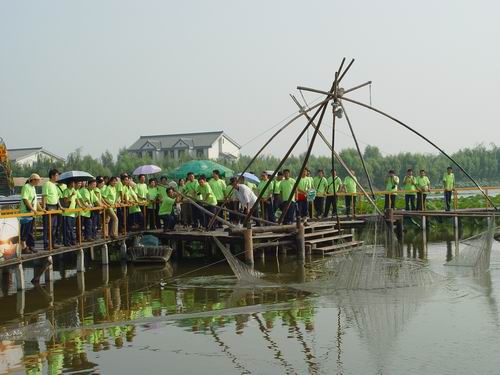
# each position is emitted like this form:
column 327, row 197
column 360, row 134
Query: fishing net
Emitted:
column 475, row 251
column 241, row 270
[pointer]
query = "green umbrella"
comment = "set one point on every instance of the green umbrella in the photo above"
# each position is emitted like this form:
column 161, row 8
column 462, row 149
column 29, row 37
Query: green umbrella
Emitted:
column 199, row 167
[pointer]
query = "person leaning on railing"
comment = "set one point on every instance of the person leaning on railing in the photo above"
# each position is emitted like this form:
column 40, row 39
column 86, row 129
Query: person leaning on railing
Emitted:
column 423, row 185
column 50, row 202
column 29, row 204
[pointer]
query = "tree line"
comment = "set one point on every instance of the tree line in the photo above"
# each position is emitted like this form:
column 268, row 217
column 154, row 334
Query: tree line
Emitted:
column 482, row 162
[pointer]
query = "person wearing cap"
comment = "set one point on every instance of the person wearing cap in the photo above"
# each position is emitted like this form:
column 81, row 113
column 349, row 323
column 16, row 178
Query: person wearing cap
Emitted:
column 391, row 188
column 320, row 183
column 29, row 204
column 50, row 202
column 449, row 187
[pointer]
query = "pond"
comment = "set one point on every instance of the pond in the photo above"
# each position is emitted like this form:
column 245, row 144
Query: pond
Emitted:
column 130, row 320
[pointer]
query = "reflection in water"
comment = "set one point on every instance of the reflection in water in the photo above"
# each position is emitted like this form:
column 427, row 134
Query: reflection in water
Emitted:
column 285, row 326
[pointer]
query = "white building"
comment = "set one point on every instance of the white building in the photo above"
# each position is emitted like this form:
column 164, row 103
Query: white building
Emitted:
column 28, row 156
column 206, row 145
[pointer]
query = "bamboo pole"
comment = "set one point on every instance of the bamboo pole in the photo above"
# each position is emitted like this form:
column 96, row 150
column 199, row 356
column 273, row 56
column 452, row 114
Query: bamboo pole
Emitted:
column 370, row 184
column 283, row 160
column 425, row 139
column 264, row 146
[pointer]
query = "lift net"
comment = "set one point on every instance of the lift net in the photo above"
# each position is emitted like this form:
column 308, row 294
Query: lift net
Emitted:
column 241, row 270
column 475, row 251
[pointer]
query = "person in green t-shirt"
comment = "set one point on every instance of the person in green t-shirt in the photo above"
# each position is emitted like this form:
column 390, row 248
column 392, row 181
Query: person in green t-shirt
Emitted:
column 208, row 198
column 391, row 188
column 50, row 202
column 191, row 189
column 218, row 186
column 276, row 192
column 350, row 188
column 333, row 185
column 95, row 201
column 135, row 216
column 121, row 199
column 110, row 198
column 286, row 188
column 302, row 189
column 29, row 204
column 153, row 206
column 70, row 197
column 267, row 196
column 84, row 201
column 449, row 187
column 410, row 186
column 320, row 183
column 423, row 185
column 168, row 198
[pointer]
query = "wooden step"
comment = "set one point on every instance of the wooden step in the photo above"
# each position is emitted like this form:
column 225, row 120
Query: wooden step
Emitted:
column 321, row 233
column 313, row 227
column 328, row 239
column 337, row 247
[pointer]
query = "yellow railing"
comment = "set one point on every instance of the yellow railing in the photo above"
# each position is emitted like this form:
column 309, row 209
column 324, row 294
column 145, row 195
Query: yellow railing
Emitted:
column 15, row 213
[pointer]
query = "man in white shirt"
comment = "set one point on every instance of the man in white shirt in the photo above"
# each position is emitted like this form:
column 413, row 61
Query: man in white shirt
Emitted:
column 245, row 196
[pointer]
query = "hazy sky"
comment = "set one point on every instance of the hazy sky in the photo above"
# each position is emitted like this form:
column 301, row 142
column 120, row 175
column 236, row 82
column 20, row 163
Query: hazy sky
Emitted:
column 99, row 74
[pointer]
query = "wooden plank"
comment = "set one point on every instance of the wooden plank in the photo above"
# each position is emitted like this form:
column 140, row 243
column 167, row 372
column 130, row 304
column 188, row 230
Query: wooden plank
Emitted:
column 328, row 239
column 344, row 245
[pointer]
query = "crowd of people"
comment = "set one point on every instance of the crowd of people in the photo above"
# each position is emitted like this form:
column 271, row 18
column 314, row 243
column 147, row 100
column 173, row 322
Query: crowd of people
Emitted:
column 118, row 204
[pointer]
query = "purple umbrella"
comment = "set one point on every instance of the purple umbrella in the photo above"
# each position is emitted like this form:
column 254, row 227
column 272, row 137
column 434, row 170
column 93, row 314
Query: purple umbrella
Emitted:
column 147, row 169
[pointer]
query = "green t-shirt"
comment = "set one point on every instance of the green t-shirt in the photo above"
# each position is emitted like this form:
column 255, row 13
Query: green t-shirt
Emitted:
column 152, row 195
column 167, row 203
column 320, row 184
column 191, row 188
column 276, row 187
column 350, row 184
column 28, row 192
column 229, row 190
column 95, row 197
column 119, row 191
column 110, row 194
column 207, row 195
column 423, row 183
column 269, row 189
column 218, row 187
column 449, row 181
column 330, row 185
column 142, row 191
column 286, row 187
column 71, row 194
column 305, row 184
column 131, row 198
column 251, row 185
column 85, row 198
column 50, row 192
column 392, row 184
column 410, row 183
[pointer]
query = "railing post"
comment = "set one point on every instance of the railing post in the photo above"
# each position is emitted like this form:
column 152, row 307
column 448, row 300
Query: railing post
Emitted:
column 79, row 228
column 248, row 244
column 455, row 199
column 50, row 230
column 124, row 211
column 487, row 201
column 104, row 224
column 144, row 217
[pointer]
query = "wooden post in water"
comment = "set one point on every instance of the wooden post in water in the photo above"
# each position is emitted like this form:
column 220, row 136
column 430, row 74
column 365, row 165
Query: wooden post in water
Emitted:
column 20, row 301
column 19, row 277
column 80, row 261
column 123, row 251
column 104, row 254
column 301, row 246
column 92, row 253
column 248, row 244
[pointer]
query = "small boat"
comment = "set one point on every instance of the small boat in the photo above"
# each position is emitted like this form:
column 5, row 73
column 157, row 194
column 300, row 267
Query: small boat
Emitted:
column 150, row 254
